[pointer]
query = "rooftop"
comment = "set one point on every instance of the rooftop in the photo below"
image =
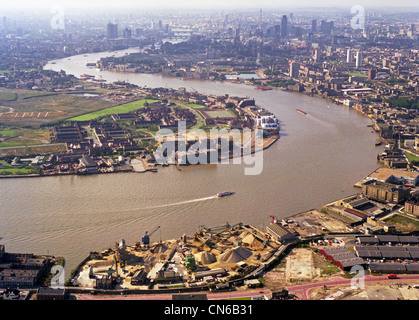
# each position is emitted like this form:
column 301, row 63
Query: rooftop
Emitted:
column 385, row 173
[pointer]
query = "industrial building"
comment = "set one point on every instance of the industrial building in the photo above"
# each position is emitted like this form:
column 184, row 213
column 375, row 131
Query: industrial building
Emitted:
column 394, row 268
column 412, row 205
column 389, row 247
column 394, row 176
column 20, row 270
column 383, row 191
column 280, row 233
column 342, row 257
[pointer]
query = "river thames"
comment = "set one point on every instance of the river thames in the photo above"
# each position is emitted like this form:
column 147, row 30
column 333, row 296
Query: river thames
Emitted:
column 317, row 159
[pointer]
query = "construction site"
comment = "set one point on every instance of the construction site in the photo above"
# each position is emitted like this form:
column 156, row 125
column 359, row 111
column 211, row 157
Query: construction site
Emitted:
column 212, row 257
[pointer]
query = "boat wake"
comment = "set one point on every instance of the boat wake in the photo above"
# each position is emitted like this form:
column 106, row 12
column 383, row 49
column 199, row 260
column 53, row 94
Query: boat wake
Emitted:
column 171, row 204
column 181, row 202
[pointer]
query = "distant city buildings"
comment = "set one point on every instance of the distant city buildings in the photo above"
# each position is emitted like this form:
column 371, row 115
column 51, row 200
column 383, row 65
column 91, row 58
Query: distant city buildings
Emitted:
column 112, row 30
column 314, row 25
column 284, row 26
column 294, row 70
column 326, row 27
column 371, row 74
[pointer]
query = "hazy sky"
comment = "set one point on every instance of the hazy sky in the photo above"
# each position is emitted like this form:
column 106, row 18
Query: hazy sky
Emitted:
column 205, row 3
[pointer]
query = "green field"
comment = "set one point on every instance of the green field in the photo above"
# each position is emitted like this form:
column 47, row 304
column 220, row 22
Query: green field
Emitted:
column 220, row 114
column 33, row 149
column 7, row 133
column 403, row 223
column 19, row 137
column 123, row 108
column 356, row 74
column 412, row 159
column 194, row 105
column 8, row 96
column 17, row 171
column 59, row 105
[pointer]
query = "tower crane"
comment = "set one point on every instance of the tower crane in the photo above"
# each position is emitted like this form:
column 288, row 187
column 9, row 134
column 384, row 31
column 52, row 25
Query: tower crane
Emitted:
column 146, row 237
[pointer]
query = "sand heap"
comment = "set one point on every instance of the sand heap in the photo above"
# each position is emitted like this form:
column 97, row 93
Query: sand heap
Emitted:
column 252, row 242
column 235, row 255
column 205, row 257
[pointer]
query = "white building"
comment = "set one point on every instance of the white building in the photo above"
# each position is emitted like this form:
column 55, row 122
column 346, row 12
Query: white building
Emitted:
column 358, row 59
column 349, row 56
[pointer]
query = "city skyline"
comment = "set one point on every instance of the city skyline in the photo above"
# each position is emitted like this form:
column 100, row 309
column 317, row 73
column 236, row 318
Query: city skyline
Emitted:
column 205, row 4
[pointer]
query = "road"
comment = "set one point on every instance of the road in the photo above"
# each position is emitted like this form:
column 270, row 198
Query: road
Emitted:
column 211, row 296
column 302, row 291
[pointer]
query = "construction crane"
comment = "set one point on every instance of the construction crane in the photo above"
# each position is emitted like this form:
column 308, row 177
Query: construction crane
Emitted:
column 146, row 237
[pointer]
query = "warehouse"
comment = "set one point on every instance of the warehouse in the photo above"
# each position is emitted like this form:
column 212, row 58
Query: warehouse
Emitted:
column 279, row 233
column 387, row 268
column 393, row 253
column 410, row 240
column 342, row 257
column 388, row 239
column 368, row 252
column 387, row 252
column 367, row 240
column 413, row 251
column 382, row 191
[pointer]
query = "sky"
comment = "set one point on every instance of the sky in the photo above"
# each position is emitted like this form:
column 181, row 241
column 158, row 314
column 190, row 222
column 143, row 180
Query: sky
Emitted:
column 207, row 3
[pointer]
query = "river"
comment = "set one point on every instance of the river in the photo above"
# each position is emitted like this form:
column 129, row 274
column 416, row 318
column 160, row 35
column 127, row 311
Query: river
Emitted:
column 317, row 159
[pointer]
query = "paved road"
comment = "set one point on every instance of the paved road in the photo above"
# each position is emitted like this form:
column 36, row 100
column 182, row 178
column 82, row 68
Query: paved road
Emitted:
column 210, row 296
column 302, row 291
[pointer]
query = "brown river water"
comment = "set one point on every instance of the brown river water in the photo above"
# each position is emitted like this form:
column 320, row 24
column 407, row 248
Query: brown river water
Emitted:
column 317, row 159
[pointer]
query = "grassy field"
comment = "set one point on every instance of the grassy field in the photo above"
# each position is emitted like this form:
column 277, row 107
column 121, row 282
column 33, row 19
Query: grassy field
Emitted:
column 403, row 223
column 30, row 108
column 7, row 133
column 123, row 108
column 17, row 137
column 220, row 114
column 17, row 171
column 412, row 159
column 8, row 96
column 34, row 149
column 194, row 105
column 356, row 74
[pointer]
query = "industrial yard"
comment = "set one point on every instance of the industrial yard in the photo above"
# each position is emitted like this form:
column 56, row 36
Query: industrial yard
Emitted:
column 308, row 249
column 211, row 256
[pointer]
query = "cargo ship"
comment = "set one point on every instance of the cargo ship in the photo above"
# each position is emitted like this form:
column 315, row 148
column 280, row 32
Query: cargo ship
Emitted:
column 263, row 88
column 225, row 194
column 301, row 111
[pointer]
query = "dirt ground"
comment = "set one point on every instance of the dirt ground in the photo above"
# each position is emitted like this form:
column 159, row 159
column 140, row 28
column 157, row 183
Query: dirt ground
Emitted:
column 315, row 222
column 302, row 265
